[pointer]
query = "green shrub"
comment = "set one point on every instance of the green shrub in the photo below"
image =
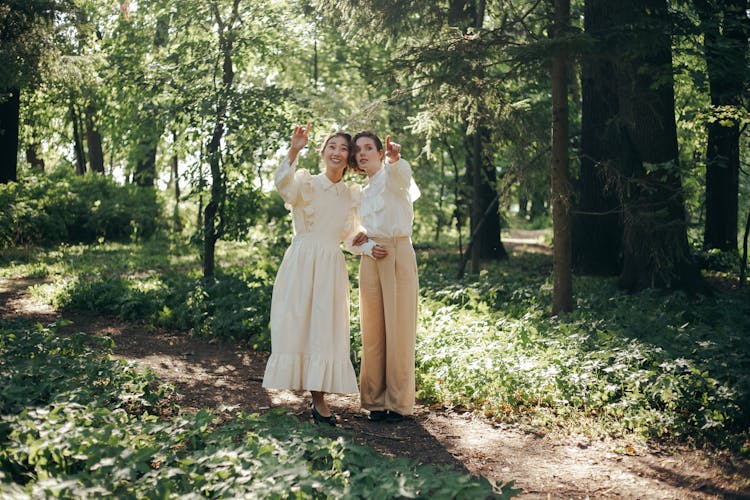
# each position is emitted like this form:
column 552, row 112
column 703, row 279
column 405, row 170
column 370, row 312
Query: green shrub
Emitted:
column 230, row 307
column 62, row 207
column 655, row 364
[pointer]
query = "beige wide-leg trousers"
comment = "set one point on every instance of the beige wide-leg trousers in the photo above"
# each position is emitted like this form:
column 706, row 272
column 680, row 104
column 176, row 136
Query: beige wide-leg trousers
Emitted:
column 388, row 289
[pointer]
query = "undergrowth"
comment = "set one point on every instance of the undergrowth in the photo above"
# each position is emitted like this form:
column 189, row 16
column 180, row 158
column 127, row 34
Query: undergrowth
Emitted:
column 75, row 423
column 663, row 366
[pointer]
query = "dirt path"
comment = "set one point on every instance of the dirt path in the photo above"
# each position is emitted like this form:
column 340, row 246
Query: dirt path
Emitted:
column 213, row 374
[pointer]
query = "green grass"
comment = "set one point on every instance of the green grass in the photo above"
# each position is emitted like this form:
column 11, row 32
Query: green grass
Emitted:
column 650, row 365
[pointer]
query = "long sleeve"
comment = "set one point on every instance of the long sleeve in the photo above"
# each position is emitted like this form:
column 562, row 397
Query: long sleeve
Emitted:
column 365, row 248
column 287, row 182
column 401, row 178
column 354, row 226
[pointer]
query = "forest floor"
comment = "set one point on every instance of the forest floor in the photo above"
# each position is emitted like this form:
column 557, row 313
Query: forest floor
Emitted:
column 223, row 376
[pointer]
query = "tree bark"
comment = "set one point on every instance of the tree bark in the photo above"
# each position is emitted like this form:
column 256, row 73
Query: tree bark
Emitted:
column 176, row 179
column 9, row 123
column 80, row 155
column 597, row 224
column 743, row 262
column 475, row 176
column 655, row 246
column 480, row 170
column 562, row 293
column 212, row 219
column 35, row 161
column 94, row 141
column 145, row 167
column 725, row 32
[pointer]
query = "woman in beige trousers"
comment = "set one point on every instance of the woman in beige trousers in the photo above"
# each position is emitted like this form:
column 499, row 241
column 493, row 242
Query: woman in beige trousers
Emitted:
column 388, row 282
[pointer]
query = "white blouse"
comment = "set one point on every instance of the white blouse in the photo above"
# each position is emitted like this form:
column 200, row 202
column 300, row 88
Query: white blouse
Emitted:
column 386, row 210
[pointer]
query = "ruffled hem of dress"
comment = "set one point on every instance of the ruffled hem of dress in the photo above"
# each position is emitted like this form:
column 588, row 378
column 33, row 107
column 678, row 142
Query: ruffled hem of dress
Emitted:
column 309, row 373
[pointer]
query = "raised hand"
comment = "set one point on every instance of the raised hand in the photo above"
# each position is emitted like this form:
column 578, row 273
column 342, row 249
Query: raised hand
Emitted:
column 392, row 150
column 300, row 137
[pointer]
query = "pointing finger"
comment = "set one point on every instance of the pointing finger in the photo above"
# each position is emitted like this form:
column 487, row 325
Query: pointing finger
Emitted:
column 387, row 143
column 308, row 126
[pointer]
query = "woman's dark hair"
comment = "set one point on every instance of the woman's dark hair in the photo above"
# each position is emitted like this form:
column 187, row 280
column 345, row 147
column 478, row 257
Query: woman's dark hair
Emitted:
column 371, row 135
column 350, row 162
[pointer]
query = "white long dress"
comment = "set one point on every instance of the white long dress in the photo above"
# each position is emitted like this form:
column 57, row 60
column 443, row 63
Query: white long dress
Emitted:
column 310, row 303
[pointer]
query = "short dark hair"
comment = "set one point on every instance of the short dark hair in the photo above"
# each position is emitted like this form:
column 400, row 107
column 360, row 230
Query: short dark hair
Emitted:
column 371, row 135
column 350, row 161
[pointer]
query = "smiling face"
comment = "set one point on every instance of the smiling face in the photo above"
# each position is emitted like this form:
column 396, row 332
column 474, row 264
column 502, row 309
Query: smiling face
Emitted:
column 336, row 153
column 369, row 158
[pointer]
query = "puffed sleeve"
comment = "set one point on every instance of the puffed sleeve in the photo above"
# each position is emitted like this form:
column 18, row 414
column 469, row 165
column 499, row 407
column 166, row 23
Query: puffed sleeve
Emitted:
column 288, row 182
column 353, row 224
column 400, row 178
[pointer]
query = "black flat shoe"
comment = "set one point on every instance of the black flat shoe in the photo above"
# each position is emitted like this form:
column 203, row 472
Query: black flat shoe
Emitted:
column 377, row 415
column 330, row 419
column 394, row 417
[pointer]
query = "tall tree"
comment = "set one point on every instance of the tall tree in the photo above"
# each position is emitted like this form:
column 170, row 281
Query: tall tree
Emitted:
column 562, row 293
column 75, row 118
column 480, row 170
column 597, row 222
column 451, row 79
column 226, row 33
column 655, row 246
column 94, row 140
column 25, row 34
column 9, row 123
column 724, row 24
column 225, row 113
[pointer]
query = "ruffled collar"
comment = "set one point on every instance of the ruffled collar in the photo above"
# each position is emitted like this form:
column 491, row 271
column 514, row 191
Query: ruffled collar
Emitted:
column 376, row 180
column 327, row 184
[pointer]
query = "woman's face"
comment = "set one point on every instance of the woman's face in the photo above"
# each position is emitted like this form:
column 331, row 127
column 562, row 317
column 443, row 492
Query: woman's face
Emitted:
column 336, row 153
column 368, row 158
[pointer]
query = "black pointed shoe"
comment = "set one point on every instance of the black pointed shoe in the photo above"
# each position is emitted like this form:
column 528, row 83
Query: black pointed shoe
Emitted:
column 394, row 417
column 330, row 419
column 377, row 415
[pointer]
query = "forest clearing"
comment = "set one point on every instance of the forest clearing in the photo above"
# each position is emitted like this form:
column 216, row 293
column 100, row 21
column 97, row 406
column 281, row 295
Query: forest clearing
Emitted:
column 559, row 459
column 520, row 229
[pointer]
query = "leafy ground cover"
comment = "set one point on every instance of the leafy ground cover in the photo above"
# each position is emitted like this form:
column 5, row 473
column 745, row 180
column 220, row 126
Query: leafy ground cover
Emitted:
column 76, row 424
column 654, row 365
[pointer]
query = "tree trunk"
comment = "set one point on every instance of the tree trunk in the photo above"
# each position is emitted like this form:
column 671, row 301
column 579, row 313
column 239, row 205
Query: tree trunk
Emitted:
column 597, row 224
column 523, row 206
column 145, row 167
column 562, row 293
column 80, row 156
column 176, row 179
column 491, row 245
column 475, row 176
column 35, row 161
column 655, row 246
column 725, row 34
column 743, row 262
column 486, row 243
column 144, row 155
column 212, row 220
column 9, row 124
column 440, row 219
column 94, row 141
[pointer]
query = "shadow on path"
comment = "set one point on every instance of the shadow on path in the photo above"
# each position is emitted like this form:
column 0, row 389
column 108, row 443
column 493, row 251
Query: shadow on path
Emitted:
column 222, row 375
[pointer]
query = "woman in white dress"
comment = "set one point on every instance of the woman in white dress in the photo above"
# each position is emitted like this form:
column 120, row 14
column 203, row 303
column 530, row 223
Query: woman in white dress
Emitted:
column 310, row 303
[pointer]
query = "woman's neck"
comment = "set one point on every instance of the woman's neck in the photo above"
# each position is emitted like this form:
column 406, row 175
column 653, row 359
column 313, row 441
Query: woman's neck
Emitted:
column 334, row 175
column 370, row 175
